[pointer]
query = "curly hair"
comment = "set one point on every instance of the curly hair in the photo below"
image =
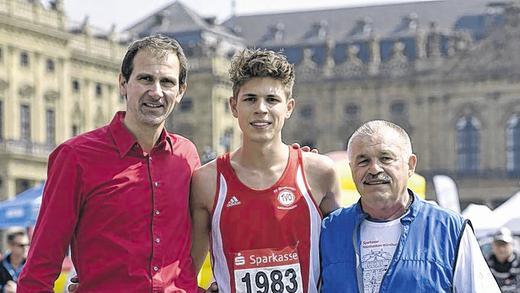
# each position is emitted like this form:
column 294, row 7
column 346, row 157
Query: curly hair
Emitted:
column 250, row 63
column 160, row 46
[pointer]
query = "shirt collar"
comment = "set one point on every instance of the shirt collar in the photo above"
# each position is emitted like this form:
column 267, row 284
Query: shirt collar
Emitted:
column 408, row 216
column 125, row 140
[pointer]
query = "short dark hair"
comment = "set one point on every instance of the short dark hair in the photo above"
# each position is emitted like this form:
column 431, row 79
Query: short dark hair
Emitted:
column 160, row 46
column 250, row 63
column 11, row 236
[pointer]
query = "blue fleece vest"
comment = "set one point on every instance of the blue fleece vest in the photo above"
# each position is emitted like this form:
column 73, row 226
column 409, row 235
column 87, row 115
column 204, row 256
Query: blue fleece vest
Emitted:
column 424, row 259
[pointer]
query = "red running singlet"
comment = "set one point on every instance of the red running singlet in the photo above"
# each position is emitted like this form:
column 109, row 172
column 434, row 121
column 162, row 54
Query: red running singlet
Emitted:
column 265, row 240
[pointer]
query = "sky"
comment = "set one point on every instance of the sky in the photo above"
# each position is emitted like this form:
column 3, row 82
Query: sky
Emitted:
column 124, row 13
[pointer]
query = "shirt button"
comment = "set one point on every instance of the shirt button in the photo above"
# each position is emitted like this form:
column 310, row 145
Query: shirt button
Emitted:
column 157, row 240
column 157, row 212
column 155, row 268
column 156, row 184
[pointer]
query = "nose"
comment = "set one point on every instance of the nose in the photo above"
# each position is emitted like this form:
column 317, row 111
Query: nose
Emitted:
column 374, row 167
column 261, row 106
column 156, row 90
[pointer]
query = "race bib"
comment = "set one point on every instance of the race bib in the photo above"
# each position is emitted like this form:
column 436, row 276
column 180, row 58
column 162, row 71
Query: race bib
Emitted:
column 268, row 271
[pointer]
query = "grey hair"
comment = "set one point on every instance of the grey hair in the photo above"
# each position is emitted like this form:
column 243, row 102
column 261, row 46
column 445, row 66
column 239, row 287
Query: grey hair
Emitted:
column 372, row 127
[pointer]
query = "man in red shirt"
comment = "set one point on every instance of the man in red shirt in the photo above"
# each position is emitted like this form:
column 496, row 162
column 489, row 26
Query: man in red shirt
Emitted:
column 119, row 194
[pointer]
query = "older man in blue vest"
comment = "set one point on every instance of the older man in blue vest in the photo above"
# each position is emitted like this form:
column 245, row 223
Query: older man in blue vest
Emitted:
column 391, row 240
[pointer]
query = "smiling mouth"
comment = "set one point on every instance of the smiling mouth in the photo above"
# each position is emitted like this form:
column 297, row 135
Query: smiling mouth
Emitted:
column 262, row 124
column 376, row 182
column 378, row 179
column 155, row 106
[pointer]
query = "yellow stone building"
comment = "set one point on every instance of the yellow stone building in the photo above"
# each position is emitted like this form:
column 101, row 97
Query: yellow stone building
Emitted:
column 56, row 81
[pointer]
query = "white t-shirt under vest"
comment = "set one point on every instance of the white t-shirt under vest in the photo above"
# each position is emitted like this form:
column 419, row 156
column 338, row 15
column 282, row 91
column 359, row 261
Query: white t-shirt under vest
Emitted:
column 378, row 243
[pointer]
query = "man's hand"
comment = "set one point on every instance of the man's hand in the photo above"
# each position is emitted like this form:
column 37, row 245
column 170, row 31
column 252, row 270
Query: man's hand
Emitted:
column 213, row 288
column 74, row 286
column 305, row 148
column 10, row 287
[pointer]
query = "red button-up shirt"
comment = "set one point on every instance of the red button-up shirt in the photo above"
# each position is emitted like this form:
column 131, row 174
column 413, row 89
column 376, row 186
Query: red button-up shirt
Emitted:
column 124, row 213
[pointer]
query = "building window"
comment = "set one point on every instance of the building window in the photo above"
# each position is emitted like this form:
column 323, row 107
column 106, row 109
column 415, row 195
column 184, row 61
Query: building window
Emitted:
column 351, row 112
column 468, row 144
column 75, row 130
column 398, row 109
column 226, row 106
column 22, row 185
column 99, row 90
column 513, row 144
column 399, row 115
column 351, row 121
column 25, row 123
column 186, row 104
column 50, row 118
column 307, row 111
column 75, row 86
column 226, row 140
column 24, row 59
column 50, row 65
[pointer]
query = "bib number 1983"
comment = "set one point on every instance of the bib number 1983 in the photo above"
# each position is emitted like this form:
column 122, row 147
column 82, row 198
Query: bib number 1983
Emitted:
column 268, row 271
column 279, row 280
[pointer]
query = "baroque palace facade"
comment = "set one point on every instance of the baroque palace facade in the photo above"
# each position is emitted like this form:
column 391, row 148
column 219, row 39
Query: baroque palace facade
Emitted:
column 56, row 80
column 447, row 71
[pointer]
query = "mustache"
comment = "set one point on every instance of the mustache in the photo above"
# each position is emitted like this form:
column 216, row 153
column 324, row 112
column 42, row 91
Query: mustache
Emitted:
column 379, row 177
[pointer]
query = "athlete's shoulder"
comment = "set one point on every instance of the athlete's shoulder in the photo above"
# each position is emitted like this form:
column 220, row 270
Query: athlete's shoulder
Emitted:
column 206, row 171
column 319, row 164
column 203, row 185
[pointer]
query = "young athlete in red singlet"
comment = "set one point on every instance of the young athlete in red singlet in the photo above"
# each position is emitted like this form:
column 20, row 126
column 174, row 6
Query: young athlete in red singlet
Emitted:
column 262, row 204
column 265, row 238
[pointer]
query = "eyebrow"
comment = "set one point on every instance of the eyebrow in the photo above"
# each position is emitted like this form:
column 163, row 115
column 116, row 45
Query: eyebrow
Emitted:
column 146, row 74
column 359, row 157
column 388, row 153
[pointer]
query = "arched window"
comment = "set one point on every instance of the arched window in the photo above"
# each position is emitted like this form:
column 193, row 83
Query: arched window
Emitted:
column 513, row 144
column 468, row 144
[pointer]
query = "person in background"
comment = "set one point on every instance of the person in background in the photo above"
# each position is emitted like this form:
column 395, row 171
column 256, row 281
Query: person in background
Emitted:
column 504, row 262
column 391, row 240
column 14, row 260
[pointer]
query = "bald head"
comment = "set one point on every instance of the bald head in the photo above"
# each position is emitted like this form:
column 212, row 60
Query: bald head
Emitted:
column 378, row 127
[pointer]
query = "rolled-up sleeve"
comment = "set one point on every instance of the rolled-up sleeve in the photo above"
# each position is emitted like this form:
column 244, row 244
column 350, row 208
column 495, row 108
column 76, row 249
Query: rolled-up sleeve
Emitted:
column 56, row 222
